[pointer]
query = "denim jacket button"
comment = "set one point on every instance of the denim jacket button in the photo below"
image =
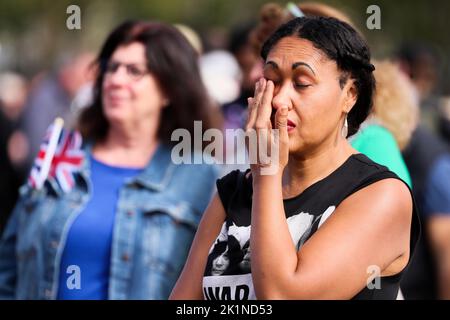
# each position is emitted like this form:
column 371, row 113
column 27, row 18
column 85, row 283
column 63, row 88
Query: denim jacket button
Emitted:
column 54, row 244
column 29, row 207
column 125, row 257
column 130, row 213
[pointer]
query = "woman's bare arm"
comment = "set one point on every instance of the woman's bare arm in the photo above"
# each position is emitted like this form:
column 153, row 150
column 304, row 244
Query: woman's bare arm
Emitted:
column 370, row 228
column 189, row 284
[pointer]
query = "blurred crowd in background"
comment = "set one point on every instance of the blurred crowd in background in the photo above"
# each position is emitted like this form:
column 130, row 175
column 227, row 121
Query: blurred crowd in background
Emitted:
column 413, row 102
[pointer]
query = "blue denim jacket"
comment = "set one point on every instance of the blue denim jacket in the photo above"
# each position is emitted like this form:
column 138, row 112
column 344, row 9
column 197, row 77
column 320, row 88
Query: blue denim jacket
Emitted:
column 157, row 215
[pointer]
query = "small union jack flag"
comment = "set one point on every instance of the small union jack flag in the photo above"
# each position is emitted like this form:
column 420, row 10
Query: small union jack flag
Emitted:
column 67, row 159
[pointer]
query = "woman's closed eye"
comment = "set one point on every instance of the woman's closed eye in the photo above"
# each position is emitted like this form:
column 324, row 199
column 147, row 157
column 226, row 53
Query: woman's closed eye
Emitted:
column 296, row 83
column 302, row 81
column 301, row 85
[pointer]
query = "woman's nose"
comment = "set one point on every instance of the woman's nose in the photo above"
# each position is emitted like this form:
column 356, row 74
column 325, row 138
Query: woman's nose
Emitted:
column 119, row 76
column 281, row 98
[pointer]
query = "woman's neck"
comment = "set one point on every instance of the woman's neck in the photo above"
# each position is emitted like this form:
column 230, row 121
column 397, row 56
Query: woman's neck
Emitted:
column 304, row 170
column 126, row 146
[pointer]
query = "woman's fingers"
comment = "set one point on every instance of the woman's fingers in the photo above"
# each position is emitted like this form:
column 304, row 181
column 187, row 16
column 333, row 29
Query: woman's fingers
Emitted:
column 260, row 111
column 265, row 107
column 253, row 104
column 263, row 125
column 251, row 113
column 281, row 120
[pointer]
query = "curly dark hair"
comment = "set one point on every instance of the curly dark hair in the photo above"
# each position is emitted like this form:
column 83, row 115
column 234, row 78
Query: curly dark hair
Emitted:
column 173, row 62
column 343, row 44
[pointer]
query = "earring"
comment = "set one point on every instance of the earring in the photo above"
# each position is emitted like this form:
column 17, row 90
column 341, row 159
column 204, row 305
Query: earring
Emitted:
column 344, row 131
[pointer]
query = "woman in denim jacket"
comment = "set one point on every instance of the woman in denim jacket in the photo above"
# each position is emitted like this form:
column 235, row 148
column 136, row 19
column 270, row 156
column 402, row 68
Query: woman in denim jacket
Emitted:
column 124, row 229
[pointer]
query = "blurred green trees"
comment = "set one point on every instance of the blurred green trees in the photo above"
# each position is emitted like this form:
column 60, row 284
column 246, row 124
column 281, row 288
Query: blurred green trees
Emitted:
column 33, row 33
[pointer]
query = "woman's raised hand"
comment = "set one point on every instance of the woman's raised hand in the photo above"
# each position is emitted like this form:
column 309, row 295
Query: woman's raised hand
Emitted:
column 271, row 152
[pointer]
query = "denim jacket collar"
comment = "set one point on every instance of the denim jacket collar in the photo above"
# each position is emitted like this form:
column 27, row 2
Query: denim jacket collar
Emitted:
column 159, row 171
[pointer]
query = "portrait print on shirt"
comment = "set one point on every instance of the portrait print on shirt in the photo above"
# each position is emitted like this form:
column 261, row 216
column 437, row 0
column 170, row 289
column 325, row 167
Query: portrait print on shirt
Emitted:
column 228, row 273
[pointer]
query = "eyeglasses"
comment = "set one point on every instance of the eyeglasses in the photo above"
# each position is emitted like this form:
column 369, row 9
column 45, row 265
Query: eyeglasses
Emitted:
column 135, row 72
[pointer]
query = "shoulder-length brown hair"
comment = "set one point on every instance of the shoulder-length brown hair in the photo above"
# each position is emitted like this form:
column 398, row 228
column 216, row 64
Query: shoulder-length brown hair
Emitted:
column 173, row 62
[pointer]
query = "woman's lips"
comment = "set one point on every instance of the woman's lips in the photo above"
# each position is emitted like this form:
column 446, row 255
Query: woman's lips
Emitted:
column 290, row 125
column 115, row 99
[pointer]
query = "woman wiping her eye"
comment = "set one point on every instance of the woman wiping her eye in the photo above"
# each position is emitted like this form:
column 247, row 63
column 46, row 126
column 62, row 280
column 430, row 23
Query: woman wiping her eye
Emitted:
column 329, row 219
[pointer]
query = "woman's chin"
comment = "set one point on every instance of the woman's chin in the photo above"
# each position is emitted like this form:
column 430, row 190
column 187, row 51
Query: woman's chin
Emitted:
column 296, row 146
column 114, row 113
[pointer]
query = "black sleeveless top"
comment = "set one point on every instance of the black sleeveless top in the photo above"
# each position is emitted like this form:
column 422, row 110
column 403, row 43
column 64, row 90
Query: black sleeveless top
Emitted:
column 227, row 274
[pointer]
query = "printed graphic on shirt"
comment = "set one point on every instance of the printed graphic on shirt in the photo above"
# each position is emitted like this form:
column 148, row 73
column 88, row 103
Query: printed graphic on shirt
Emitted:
column 237, row 287
column 228, row 274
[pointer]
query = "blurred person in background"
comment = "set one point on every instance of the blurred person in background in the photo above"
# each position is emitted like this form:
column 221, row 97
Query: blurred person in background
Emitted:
column 222, row 77
column 13, row 147
column 51, row 96
column 420, row 62
column 394, row 117
column 192, row 36
column 235, row 112
column 128, row 220
column 428, row 160
column 240, row 84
